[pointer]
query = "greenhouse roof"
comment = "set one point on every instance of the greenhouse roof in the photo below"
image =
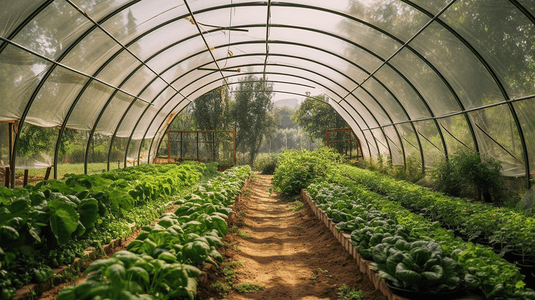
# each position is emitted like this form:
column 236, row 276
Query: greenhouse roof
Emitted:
column 412, row 78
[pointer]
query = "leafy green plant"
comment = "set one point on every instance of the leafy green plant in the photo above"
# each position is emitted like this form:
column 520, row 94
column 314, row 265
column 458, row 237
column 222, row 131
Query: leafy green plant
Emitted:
column 232, row 245
column 347, row 293
column 160, row 262
column 419, row 266
column 370, row 214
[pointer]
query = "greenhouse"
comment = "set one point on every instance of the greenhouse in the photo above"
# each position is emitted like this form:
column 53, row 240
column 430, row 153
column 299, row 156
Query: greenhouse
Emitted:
column 109, row 85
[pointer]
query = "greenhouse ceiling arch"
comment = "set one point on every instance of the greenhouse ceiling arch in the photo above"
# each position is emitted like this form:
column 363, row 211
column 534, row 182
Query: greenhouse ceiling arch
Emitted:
column 412, row 78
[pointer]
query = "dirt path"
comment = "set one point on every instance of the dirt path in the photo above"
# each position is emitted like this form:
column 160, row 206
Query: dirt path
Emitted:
column 290, row 253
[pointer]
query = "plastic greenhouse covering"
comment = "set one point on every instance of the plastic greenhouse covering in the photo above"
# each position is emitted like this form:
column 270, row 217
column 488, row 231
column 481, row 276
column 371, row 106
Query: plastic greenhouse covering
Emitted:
column 412, row 78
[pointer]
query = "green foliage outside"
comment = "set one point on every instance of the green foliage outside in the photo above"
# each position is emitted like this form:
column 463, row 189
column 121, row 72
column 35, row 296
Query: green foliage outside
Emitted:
column 316, row 116
column 252, row 120
column 297, row 169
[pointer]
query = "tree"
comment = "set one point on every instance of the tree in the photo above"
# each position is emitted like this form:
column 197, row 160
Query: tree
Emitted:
column 211, row 111
column 252, row 114
column 315, row 117
column 283, row 116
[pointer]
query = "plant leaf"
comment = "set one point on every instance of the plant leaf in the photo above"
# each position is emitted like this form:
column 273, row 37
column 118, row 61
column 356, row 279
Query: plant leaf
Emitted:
column 63, row 220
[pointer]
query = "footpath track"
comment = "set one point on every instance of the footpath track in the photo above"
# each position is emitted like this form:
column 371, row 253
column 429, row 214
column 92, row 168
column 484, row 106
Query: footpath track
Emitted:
column 288, row 251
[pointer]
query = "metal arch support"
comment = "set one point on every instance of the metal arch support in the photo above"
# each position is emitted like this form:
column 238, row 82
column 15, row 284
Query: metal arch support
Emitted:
column 270, row 73
column 368, row 51
column 325, row 88
column 357, row 66
column 159, row 128
column 148, row 127
column 260, row 3
column 391, row 121
column 345, row 75
column 38, row 88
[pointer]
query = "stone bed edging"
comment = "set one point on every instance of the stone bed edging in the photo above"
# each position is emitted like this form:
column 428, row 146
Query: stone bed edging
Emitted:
column 345, row 240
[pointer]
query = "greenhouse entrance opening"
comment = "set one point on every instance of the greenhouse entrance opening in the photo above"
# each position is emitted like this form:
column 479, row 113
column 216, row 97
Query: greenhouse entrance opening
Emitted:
column 199, row 145
column 345, row 142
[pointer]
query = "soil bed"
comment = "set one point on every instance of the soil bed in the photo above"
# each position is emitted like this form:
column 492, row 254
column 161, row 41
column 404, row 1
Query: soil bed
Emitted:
column 290, row 253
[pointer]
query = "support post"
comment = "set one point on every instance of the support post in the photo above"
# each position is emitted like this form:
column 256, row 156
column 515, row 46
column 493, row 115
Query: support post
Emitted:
column 47, row 174
column 11, row 162
column 7, row 176
column 168, row 145
column 234, row 145
column 25, row 181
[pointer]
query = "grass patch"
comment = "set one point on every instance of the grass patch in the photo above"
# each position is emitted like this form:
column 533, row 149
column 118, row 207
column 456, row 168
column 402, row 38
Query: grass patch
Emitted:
column 242, row 234
column 247, row 287
column 229, row 272
column 296, row 206
column 347, row 293
column 222, row 288
column 232, row 264
column 232, row 245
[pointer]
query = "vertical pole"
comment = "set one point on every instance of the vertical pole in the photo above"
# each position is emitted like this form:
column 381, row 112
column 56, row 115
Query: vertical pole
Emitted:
column 197, row 145
column 181, row 140
column 234, row 145
column 11, row 162
column 25, row 181
column 7, row 176
column 350, row 147
column 327, row 137
column 213, row 144
column 168, row 145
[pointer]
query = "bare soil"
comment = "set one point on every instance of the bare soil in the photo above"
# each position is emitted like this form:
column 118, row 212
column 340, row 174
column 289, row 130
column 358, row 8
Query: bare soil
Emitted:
column 290, row 253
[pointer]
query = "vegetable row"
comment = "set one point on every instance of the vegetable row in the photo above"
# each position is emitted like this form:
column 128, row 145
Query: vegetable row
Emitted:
column 53, row 222
column 412, row 252
column 504, row 228
column 165, row 259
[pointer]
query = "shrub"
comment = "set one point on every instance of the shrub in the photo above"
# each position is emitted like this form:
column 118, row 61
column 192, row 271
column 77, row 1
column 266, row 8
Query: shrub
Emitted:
column 298, row 169
column 266, row 163
column 470, row 170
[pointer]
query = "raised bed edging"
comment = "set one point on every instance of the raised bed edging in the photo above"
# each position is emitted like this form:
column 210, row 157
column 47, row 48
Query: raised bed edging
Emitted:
column 345, row 240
